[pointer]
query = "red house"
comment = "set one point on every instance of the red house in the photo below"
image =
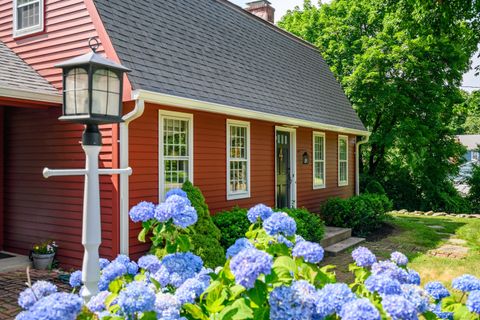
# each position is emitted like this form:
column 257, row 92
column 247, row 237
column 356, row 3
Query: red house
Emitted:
column 248, row 112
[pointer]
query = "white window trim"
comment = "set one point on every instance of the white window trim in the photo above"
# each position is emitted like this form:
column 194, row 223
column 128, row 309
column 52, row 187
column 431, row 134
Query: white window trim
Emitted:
column 324, row 185
column 162, row 114
column 342, row 183
column 243, row 194
column 30, row 30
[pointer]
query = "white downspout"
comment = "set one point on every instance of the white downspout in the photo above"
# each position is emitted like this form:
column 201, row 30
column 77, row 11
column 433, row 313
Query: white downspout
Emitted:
column 357, row 164
column 124, row 186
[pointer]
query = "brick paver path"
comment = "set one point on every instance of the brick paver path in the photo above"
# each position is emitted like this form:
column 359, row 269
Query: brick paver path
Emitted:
column 12, row 283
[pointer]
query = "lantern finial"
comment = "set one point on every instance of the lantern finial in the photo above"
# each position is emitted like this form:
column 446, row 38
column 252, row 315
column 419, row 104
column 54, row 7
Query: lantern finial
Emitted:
column 93, row 43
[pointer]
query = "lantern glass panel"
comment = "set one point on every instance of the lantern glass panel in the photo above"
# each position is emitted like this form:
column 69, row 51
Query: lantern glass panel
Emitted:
column 106, row 92
column 76, row 92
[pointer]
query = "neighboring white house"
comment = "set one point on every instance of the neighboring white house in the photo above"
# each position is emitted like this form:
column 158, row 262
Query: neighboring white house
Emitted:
column 472, row 143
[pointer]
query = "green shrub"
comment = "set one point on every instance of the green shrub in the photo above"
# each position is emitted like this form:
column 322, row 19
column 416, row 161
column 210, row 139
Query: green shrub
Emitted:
column 309, row 225
column 363, row 214
column 204, row 235
column 374, row 187
column 233, row 224
column 474, row 183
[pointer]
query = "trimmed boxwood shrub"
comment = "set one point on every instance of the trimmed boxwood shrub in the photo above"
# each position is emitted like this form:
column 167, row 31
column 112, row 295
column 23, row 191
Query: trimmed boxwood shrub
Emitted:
column 309, row 225
column 363, row 214
column 374, row 187
column 204, row 235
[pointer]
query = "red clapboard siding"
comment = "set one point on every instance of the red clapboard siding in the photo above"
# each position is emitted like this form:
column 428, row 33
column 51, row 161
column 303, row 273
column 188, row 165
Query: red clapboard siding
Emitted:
column 36, row 208
column 210, row 164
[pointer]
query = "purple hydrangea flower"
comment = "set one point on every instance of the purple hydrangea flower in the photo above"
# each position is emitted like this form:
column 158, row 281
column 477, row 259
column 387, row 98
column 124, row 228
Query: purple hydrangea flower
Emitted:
column 167, row 306
column 390, row 270
column 176, row 268
column 280, row 223
column 413, row 277
column 39, row 290
column 143, row 211
column 399, row 258
column 418, row 297
column 399, row 308
column 247, row 265
column 260, row 211
column 332, row 297
column 97, row 302
column 75, row 279
column 473, row 301
column 59, row 305
column 178, row 209
column 383, row 285
column 363, row 257
column 359, row 309
column 103, row 263
column 239, row 245
column 294, row 302
column 436, row 290
column 111, row 272
column 466, row 283
column 176, row 191
column 136, row 297
column 309, row 251
column 149, row 263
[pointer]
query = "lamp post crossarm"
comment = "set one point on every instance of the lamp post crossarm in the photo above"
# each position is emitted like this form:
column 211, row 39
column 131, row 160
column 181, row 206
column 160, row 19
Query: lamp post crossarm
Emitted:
column 115, row 171
column 47, row 173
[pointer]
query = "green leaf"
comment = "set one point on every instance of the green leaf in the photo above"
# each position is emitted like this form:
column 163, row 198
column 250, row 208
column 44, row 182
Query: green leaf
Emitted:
column 150, row 315
column 258, row 294
column 284, row 268
column 115, row 286
column 239, row 310
column 235, row 291
column 142, row 235
column 194, row 311
column 183, row 243
column 110, row 299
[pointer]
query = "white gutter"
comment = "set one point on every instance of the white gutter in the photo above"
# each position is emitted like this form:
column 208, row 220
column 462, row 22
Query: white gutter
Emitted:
column 357, row 163
column 124, row 186
column 31, row 95
column 165, row 99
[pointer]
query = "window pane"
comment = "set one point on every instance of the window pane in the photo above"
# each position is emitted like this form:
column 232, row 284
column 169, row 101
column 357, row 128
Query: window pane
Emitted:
column 342, row 149
column 319, row 174
column 28, row 13
column 343, row 171
column 238, row 155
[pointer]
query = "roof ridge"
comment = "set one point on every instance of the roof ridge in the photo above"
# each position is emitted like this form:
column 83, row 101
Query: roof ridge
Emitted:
column 269, row 24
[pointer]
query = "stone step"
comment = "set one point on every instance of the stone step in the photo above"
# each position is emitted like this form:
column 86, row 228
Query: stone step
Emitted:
column 343, row 245
column 16, row 262
column 334, row 235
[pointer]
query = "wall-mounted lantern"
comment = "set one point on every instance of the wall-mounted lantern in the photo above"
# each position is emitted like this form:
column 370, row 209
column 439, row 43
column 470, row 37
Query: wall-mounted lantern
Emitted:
column 305, row 158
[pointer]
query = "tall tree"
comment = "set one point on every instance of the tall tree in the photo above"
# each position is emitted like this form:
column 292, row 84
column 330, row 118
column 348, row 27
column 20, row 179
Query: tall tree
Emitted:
column 401, row 63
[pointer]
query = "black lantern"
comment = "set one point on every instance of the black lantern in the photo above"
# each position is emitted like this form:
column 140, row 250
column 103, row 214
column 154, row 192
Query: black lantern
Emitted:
column 92, row 88
column 305, row 158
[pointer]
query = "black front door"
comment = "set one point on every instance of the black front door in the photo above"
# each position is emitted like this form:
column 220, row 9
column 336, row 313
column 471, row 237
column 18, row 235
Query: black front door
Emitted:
column 283, row 169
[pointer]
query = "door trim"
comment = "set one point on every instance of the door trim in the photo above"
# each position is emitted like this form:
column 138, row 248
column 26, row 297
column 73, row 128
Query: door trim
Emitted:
column 293, row 161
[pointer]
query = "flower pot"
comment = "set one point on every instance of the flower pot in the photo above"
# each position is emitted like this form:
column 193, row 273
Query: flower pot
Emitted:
column 42, row 261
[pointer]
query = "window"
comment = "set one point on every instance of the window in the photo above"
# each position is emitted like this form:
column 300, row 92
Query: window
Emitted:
column 342, row 160
column 176, row 150
column 27, row 17
column 318, row 160
column 238, row 159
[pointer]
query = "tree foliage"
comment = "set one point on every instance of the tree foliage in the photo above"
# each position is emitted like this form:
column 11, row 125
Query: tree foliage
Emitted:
column 401, row 64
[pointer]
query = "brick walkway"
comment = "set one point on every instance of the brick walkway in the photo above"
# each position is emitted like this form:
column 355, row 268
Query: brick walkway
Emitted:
column 12, row 283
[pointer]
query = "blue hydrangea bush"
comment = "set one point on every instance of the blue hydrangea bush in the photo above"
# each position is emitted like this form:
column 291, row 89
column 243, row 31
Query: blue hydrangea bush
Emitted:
column 271, row 273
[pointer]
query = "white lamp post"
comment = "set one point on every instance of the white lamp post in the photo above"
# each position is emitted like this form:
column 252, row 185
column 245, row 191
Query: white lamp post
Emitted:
column 92, row 95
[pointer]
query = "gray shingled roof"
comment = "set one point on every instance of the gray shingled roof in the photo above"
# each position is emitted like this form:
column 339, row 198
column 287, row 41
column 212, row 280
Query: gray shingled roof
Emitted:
column 16, row 74
column 213, row 51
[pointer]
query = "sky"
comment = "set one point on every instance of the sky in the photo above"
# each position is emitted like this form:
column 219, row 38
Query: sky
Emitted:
column 281, row 7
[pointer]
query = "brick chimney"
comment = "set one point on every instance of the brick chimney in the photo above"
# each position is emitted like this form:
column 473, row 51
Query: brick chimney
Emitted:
column 262, row 9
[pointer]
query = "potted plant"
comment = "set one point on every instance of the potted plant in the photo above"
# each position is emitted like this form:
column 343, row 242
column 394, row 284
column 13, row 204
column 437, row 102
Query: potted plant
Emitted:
column 43, row 254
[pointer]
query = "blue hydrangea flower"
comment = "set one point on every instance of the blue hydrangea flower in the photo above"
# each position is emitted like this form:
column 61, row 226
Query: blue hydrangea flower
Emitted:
column 176, row 268
column 363, row 257
column 59, row 305
column 437, row 309
column 239, row 245
column 132, row 268
column 473, row 301
column 390, row 270
column 111, row 272
column 149, row 263
column 359, row 309
column 416, row 296
column 176, row 191
column 97, row 302
column 413, row 277
column 309, row 251
column 142, row 212
column 123, row 259
column 280, row 223
column 190, row 290
column 39, row 290
column 383, row 285
column 248, row 264
column 178, row 209
column 399, row 308
column 466, row 283
column 332, row 297
column 167, row 306
column 285, row 241
column 293, row 303
column 298, row 238
column 75, row 279
column 103, row 263
column 136, row 297
column 436, row 290
column 260, row 211
column 399, row 258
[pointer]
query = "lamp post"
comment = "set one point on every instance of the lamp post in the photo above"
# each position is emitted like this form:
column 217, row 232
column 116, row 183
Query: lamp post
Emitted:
column 92, row 95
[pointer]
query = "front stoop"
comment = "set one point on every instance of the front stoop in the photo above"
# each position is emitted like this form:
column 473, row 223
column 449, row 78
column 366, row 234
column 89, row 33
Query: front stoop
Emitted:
column 14, row 263
column 338, row 240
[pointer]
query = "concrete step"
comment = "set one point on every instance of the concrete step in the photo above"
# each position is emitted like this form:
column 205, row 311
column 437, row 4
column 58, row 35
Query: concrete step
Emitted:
column 334, row 235
column 343, row 245
column 16, row 262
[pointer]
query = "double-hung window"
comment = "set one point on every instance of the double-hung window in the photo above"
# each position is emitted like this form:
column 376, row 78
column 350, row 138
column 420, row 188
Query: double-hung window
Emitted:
column 318, row 160
column 238, row 159
column 342, row 160
column 27, row 17
column 176, row 150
